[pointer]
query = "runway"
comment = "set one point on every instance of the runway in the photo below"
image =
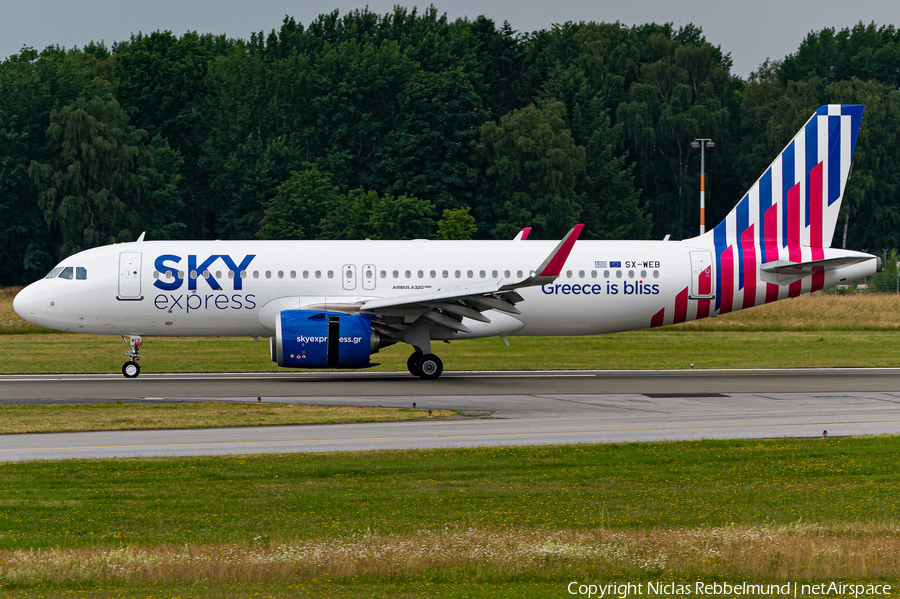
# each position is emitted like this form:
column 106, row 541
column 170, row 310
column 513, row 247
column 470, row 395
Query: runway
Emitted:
column 500, row 408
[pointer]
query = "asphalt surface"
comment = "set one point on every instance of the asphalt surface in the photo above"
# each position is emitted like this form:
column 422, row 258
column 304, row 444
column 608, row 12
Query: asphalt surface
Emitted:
column 502, row 408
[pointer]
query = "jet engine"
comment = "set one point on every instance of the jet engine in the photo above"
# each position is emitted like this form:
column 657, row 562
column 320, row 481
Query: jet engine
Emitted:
column 322, row 339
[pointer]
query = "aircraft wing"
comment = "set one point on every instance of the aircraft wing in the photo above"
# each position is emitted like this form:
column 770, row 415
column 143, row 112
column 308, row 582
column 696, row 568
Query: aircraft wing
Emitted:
column 447, row 306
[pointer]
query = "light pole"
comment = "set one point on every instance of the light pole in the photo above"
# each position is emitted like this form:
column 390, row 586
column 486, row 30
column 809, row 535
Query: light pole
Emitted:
column 707, row 143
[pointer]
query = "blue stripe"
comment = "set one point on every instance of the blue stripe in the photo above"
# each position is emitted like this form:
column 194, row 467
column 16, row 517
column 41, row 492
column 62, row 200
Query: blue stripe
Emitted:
column 787, row 182
column 721, row 244
column 743, row 222
column 856, row 112
column 812, row 156
column 765, row 202
column 834, row 159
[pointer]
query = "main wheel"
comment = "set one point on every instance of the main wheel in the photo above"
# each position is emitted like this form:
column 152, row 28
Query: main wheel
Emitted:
column 429, row 366
column 411, row 363
column 131, row 369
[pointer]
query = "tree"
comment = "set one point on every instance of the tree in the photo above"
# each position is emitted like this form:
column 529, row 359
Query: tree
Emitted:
column 101, row 170
column 302, row 205
column 529, row 167
column 456, row 223
column 426, row 153
column 681, row 93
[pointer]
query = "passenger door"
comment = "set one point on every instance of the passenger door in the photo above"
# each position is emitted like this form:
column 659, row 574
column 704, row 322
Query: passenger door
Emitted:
column 129, row 276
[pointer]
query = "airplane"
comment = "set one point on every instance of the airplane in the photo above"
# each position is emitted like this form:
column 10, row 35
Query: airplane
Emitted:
column 333, row 304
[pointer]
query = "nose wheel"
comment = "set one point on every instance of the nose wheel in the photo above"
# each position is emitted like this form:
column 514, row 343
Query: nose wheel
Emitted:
column 131, row 368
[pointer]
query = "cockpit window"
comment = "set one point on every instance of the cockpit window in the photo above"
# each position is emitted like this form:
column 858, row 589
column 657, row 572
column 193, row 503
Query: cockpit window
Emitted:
column 80, row 273
column 66, row 273
column 54, row 273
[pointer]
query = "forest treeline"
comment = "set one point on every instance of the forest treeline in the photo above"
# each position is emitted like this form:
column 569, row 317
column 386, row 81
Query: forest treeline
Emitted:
column 409, row 125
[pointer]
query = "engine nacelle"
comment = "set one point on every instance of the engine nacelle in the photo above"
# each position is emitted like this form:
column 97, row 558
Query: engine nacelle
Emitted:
column 321, row 339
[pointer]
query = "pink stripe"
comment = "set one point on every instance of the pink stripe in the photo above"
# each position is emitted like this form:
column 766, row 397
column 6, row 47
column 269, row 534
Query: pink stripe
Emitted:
column 771, row 240
column 681, row 306
column 816, row 207
column 727, row 275
column 793, row 235
column 702, row 309
column 748, row 243
column 658, row 318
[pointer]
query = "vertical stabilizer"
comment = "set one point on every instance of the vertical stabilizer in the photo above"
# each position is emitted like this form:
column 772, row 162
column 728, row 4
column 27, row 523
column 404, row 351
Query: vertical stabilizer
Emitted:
column 791, row 212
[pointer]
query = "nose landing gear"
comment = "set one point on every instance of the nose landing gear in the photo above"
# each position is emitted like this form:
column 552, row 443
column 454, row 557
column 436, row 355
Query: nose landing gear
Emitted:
column 131, row 368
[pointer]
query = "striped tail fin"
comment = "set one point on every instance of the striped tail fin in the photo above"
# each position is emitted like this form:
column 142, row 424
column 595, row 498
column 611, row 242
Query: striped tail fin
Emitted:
column 788, row 217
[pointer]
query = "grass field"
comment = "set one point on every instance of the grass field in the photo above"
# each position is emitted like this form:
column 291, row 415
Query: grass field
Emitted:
column 117, row 416
column 509, row 522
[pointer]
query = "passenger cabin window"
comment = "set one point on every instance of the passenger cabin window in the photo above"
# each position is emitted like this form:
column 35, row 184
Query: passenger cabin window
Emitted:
column 494, row 274
column 293, row 274
column 519, row 273
column 433, row 274
column 330, row 274
column 268, row 274
column 383, row 274
column 421, row 274
column 482, row 274
column 470, row 274
column 408, row 274
column 218, row 274
column 580, row 274
column 396, row 274
column 305, row 274
column 593, row 274
column 507, row 274
column 230, row 274
column 318, row 274
column 568, row 274
column 457, row 274
column 255, row 274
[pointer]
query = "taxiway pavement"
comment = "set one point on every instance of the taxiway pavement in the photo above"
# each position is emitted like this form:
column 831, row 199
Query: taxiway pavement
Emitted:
column 504, row 408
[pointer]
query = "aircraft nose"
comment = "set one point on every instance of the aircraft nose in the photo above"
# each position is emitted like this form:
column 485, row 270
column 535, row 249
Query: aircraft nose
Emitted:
column 23, row 303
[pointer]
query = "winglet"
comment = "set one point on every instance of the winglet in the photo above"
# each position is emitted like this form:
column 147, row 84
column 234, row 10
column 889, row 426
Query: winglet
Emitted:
column 523, row 234
column 553, row 265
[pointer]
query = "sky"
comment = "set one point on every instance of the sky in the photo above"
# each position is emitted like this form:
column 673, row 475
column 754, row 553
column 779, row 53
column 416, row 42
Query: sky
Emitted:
column 751, row 30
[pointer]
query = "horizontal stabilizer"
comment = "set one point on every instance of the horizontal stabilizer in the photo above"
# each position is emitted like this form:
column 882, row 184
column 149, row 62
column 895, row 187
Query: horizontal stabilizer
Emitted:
column 784, row 272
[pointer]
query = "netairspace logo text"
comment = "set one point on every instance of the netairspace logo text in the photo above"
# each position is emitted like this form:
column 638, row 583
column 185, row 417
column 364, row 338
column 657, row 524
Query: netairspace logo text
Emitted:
column 717, row 589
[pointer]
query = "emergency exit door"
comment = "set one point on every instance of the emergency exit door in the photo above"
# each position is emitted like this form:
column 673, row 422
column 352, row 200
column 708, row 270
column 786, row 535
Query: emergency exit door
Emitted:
column 702, row 275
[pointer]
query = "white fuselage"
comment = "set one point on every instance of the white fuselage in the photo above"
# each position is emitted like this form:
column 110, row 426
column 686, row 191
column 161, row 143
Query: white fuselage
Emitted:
column 235, row 288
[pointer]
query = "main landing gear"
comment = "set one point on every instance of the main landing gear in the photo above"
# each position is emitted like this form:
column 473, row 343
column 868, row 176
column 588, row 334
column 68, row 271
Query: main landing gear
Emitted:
column 426, row 366
column 131, row 368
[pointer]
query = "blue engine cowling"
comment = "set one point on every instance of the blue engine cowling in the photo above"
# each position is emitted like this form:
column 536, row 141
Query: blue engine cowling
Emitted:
column 321, row 339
